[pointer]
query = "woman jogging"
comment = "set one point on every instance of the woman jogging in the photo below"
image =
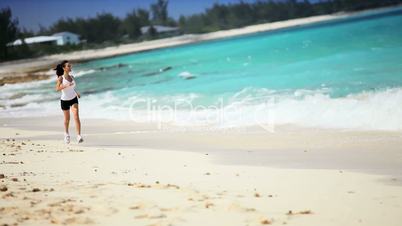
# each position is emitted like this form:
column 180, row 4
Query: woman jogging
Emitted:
column 69, row 98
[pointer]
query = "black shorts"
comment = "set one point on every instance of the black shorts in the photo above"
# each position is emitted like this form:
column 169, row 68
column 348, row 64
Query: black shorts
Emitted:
column 66, row 104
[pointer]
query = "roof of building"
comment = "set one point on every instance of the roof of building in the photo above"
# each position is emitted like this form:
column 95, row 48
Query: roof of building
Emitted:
column 64, row 33
column 39, row 39
column 159, row 29
column 36, row 39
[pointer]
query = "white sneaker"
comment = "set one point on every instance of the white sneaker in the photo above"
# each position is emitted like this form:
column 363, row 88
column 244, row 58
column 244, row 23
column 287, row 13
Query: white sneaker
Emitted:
column 66, row 138
column 79, row 139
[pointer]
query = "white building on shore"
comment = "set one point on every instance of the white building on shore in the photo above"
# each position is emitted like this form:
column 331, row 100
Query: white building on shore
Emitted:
column 59, row 39
column 160, row 29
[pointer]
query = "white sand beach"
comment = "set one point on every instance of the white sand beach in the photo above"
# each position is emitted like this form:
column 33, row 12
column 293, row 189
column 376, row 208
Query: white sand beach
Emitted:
column 131, row 174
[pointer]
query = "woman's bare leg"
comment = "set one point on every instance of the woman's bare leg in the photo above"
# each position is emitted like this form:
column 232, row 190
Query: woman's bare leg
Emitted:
column 74, row 109
column 66, row 120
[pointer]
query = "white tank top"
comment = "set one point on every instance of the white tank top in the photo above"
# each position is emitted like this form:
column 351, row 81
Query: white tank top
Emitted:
column 69, row 92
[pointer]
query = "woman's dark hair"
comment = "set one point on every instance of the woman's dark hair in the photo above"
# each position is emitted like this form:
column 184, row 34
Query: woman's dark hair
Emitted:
column 60, row 68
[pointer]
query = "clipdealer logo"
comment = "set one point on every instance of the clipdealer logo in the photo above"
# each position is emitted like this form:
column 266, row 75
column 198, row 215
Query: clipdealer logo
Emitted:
column 261, row 114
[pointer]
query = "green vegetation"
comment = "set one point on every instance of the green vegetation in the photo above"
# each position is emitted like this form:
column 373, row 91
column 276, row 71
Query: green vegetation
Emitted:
column 221, row 17
column 105, row 29
column 8, row 32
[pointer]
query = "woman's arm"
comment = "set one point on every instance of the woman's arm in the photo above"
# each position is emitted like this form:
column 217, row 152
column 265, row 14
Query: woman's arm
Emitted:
column 59, row 84
column 76, row 92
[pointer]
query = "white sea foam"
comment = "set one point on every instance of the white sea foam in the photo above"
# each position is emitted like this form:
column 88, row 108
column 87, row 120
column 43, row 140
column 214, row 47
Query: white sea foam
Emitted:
column 25, row 85
column 32, row 84
column 83, row 72
column 186, row 75
column 373, row 110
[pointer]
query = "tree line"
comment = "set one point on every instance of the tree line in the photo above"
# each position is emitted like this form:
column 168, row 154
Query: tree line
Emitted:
column 105, row 29
column 221, row 16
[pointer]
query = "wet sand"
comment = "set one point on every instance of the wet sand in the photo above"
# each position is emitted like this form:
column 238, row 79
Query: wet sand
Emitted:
column 130, row 173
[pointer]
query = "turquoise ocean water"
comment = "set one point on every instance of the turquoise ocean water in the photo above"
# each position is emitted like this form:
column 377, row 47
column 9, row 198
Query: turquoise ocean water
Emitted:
column 343, row 74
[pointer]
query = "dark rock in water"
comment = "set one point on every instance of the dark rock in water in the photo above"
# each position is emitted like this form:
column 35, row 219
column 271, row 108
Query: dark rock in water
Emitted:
column 18, row 105
column 2, row 176
column 93, row 91
column 24, row 77
column 151, row 73
column 161, row 81
column 87, row 92
column 35, row 190
column 165, row 69
column 187, row 75
column 157, row 72
column 17, row 96
column 119, row 65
